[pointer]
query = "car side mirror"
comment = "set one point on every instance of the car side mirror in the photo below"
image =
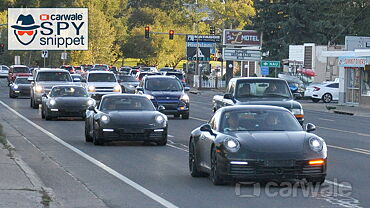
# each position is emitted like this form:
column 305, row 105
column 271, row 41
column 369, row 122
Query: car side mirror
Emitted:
column 187, row 89
column 207, row 128
column 30, row 79
column 161, row 108
column 228, row 96
column 310, row 127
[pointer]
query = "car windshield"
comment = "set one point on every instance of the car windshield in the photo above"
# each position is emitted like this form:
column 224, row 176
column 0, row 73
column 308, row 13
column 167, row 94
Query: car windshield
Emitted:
column 127, row 79
column 102, row 77
column 100, row 67
column 259, row 120
column 162, row 84
column 21, row 70
column 125, row 70
column 54, row 76
column 178, row 75
column 262, row 88
column 129, row 103
column 22, row 80
column 69, row 92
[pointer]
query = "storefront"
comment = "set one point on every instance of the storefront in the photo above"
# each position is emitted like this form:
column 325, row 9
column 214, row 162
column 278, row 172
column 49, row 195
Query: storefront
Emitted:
column 356, row 80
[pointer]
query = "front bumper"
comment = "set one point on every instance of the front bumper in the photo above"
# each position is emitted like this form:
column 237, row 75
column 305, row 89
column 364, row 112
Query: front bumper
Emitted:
column 67, row 111
column 132, row 134
column 20, row 92
column 172, row 107
column 242, row 169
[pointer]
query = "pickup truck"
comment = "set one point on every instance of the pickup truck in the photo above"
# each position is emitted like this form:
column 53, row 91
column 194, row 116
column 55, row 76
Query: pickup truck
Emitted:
column 259, row 91
column 99, row 83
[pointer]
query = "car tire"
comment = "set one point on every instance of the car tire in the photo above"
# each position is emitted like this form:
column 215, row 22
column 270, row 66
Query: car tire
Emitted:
column 193, row 161
column 316, row 180
column 176, row 115
column 33, row 104
column 185, row 115
column 214, row 175
column 315, row 100
column 163, row 142
column 42, row 112
column 327, row 98
column 11, row 95
column 47, row 116
column 88, row 138
column 96, row 140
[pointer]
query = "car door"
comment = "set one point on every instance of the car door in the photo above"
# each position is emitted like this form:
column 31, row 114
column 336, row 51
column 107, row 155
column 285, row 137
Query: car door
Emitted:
column 335, row 91
column 208, row 140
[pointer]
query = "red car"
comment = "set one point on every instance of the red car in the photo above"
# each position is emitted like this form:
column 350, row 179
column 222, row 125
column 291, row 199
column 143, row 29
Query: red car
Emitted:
column 18, row 71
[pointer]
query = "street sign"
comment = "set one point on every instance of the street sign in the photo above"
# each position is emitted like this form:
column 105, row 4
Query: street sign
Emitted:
column 238, row 54
column 242, row 38
column 200, row 44
column 203, row 38
column 44, row 54
column 64, row 56
column 270, row 63
column 265, row 70
column 203, row 54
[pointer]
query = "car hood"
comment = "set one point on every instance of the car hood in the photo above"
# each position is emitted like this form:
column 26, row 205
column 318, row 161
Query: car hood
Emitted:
column 102, row 84
column 130, row 83
column 132, row 117
column 288, row 104
column 156, row 94
column 71, row 101
column 272, row 141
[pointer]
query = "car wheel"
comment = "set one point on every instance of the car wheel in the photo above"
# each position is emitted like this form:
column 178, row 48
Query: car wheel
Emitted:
column 88, row 138
column 185, row 115
column 315, row 100
column 327, row 97
column 34, row 105
column 193, row 161
column 42, row 112
column 31, row 103
column 96, row 139
column 123, row 90
column 214, row 175
column 11, row 95
column 315, row 181
column 163, row 141
column 176, row 115
column 47, row 116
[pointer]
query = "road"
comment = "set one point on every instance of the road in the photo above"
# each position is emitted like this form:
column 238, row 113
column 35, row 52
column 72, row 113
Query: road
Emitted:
column 130, row 174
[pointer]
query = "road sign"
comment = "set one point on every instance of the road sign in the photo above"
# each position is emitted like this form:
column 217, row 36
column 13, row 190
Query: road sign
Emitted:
column 203, row 38
column 203, row 54
column 44, row 54
column 270, row 63
column 238, row 54
column 265, row 70
column 200, row 44
column 242, row 38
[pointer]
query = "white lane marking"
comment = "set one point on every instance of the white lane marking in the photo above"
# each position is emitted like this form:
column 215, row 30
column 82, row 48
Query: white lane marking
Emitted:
column 325, row 119
column 340, row 130
column 173, row 146
column 338, row 184
column 348, row 149
column 170, row 136
column 199, row 119
column 365, row 150
column 126, row 180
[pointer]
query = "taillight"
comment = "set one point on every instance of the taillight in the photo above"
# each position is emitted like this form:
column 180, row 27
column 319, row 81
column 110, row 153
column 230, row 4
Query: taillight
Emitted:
column 183, row 80
column 316, row 89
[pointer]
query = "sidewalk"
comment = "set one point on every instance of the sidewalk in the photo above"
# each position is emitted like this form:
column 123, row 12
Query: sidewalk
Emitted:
column 19, row 185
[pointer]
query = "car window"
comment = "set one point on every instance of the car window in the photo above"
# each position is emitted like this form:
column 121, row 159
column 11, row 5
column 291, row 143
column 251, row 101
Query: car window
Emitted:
column 161, row 84
column 178, row 75
column 334, row 85
column 259, row 120
column 21, row 70
column 120, row 103
column 54, row 76
column 262, row 88
column 127, row 79
column 102, row 77
column 68, row 92
column 22, row 81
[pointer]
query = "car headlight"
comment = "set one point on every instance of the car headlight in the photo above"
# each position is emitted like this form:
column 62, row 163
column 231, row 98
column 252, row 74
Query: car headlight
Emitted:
column 316, row 144
column 159, row 119
column 90, row 102
column 231, row 144
column 52, row 102
column 184, row 98
column 15, row 86
column 298, row 112
column 91, row 88
column 39, row 89
column 117, row 88
column 104, row 118
column 150, row 97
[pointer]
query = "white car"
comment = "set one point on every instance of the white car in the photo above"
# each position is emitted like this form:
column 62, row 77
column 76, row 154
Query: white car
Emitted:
column 326, row 92
column 99, row 83
column 4, row 70
column 310, row 88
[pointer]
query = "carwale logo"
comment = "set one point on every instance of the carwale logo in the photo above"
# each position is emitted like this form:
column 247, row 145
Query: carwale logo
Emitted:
column 48, row 29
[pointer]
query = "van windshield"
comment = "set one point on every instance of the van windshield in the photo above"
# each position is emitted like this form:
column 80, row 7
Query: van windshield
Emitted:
column 54, row 76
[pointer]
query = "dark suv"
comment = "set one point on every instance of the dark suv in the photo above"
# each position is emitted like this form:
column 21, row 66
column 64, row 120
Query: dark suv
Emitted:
column 166, row 91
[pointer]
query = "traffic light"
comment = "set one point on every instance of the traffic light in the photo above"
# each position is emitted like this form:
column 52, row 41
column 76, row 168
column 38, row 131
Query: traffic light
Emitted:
column 2, row 48
column 171, row 33
column 147, row 32
column 212, row 30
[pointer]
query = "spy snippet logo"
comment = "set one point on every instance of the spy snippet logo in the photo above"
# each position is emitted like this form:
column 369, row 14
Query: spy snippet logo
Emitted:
column 25, row 29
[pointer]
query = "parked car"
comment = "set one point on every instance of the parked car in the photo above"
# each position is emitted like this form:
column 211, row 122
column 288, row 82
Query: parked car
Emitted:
column 128, row 83
column 4, row 71
column 65, row 101
column 101, row 83
column 44, row 80
column 326, row 92
column 69, row 68
column 125, row 118
column 309, row 90
column 20, row 87
column 17, row 71
column 259, row 91
column 256, row 142
column 168, row 92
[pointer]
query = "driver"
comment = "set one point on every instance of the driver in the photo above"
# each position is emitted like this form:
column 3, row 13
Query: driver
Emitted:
column 272, row 121
column 232, row 123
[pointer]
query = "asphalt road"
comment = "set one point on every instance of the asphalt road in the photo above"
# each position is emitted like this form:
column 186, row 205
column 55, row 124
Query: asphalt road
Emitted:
column 130, row 174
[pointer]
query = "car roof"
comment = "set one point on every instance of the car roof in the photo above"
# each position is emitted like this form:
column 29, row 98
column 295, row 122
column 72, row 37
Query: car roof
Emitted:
column 19, row 66
column 123, row 95
column 51, row 70
column 101, row 72
column 253, row 107
column 256, row 78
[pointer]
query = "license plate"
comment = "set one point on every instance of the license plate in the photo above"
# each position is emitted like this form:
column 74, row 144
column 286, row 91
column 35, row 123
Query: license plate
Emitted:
column 279, row 163
column 134, row 131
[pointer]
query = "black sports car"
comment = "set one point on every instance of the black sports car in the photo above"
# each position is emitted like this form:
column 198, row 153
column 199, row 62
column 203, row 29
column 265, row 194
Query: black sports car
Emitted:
column 256, row 142
column 125, row 117
column 21, row 86
column 66, row 101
